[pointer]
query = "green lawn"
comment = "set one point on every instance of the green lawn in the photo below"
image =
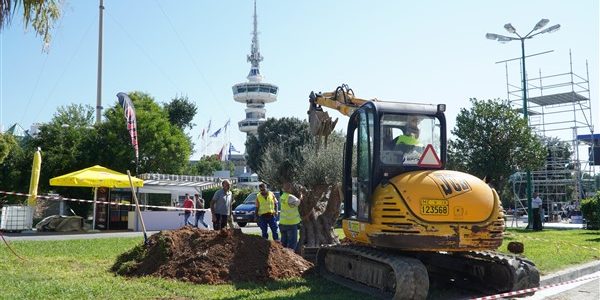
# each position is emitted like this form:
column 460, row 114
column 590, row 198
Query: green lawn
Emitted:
column 78, row 269
column 554, row 249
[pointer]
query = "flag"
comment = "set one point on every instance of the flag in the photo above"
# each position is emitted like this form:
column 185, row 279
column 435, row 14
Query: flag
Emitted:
column 220, row 155
column 129, row 110
column 226, row 124
column 203, row 131
column 216, row 134
column 208, row 128
column 232, row 149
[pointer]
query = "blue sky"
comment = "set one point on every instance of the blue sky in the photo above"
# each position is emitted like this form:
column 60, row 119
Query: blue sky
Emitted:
column 415, row 51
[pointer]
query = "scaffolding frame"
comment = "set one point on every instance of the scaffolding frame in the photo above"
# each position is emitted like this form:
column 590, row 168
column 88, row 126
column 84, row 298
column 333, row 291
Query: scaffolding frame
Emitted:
column 559, row 109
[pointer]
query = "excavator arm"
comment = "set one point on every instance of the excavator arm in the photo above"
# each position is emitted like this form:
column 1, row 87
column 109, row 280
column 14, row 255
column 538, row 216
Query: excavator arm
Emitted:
column 342, row 100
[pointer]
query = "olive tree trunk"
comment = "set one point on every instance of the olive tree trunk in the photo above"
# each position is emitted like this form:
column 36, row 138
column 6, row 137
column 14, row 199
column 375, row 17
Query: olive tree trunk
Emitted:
column 319, row 210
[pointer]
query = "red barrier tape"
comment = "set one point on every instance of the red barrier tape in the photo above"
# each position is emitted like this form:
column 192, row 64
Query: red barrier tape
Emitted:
column 55, row 198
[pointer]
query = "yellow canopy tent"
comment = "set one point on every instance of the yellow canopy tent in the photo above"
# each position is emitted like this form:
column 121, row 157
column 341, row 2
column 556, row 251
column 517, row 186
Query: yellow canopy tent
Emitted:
column 95, row 177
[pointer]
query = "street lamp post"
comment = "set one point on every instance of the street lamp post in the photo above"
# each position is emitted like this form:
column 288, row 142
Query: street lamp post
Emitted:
column 506, row 39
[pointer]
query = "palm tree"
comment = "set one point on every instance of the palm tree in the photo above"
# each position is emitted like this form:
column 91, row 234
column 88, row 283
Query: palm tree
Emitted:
column 39, row 14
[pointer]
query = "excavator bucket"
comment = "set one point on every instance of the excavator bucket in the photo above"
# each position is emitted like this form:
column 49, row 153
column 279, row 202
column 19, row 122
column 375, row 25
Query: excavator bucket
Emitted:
column 320, row 123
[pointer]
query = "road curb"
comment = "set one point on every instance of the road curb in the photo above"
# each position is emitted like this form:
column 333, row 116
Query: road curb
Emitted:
column 570, row 273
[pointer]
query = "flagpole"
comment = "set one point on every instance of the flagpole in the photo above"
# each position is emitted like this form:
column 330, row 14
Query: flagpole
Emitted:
column 99, row 79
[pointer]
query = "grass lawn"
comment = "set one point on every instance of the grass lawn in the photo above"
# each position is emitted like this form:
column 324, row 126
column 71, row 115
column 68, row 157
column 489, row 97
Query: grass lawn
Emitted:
column 78, row 269
column 555, row 249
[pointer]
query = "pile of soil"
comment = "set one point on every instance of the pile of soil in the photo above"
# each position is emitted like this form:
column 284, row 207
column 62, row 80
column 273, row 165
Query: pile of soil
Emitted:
column 206, row 256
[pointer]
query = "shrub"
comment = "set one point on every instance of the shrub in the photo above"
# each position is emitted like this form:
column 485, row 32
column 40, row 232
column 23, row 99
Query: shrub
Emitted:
column 239, row 195
column 590, row 208
column 208, row 194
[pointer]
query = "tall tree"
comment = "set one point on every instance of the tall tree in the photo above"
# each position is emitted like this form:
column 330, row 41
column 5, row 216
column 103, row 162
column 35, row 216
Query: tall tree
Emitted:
column 207, row 165
column 11, row 169
column 39, row 14
column 6, row 143
column 493, row 141
column 65, row 142
column 181, row 112
column 163, row 147
column 290, row 132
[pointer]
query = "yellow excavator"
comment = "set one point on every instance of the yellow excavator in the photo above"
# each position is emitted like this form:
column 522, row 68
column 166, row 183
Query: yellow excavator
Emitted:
column 408, row 219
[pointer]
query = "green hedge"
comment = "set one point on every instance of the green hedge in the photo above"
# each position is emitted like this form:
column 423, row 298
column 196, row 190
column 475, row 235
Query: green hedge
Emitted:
column 590, row 209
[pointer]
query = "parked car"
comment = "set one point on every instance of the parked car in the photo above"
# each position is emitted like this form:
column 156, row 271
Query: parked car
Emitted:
column 245, row 212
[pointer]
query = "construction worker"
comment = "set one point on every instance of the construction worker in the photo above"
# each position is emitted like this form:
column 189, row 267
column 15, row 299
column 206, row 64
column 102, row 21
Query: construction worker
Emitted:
column 410, row 134
column 289, row 219
column 266, row 210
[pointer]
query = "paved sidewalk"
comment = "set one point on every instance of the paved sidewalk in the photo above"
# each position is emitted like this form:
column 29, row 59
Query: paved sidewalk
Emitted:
column 521, row 222
column 57, row 236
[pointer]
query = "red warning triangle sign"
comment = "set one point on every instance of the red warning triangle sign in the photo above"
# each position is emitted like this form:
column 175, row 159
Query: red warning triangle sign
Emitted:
column 429, row 158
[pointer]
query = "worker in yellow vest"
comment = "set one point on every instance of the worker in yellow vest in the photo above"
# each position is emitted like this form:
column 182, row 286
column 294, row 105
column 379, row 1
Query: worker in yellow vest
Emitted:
column 289, row 219
column 266, row 210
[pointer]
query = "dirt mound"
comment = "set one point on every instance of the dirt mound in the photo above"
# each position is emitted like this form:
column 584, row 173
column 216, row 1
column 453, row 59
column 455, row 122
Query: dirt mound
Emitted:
column 206, row 256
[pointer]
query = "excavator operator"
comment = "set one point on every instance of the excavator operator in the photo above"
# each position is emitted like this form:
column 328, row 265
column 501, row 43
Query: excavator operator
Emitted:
column 409, row 139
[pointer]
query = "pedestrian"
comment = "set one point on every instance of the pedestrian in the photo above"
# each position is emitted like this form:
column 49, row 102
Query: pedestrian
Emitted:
column 220, row 205
column 266, row 210
column 536, row 205
column 289, row 218
column 199, row 213
column 188, row 205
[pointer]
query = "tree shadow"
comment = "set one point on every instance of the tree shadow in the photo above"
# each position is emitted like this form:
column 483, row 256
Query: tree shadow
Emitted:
column 321, row 288
column 317, row 288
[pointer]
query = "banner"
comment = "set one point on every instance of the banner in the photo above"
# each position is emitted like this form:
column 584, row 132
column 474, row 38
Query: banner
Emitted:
column 130, row 119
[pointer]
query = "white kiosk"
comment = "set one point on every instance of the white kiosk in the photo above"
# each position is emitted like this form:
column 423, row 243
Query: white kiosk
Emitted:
column 176, row 186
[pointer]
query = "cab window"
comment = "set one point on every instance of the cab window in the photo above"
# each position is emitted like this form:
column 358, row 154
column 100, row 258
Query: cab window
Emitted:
column 405, row 137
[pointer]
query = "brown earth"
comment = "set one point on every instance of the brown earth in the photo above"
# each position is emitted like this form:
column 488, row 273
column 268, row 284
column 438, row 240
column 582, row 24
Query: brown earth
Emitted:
column 207, row 256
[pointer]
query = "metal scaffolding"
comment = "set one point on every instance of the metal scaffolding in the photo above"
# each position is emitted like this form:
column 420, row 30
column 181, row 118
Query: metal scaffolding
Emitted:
column 560, row 112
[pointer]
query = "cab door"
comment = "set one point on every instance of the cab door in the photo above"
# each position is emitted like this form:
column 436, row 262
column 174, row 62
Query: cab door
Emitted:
column 359, row 147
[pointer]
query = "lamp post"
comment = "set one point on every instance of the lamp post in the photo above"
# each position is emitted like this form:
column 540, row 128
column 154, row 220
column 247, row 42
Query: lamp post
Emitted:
column 506, row 39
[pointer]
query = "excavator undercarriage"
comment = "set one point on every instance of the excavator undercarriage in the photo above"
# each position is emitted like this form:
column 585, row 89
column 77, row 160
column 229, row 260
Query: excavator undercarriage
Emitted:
column 406, row 275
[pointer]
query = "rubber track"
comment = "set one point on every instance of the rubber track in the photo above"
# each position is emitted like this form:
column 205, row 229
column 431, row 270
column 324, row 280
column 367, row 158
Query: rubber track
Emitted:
column 411, row 280
column 483, row 271
column 525, row 274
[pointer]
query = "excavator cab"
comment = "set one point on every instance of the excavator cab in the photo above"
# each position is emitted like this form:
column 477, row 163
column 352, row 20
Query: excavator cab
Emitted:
column 387, row 139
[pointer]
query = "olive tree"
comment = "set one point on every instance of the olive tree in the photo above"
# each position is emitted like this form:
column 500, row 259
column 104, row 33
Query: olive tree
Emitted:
column 316, row 176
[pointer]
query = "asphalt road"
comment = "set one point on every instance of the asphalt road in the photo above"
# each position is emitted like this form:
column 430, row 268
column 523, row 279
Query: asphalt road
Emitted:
column 57, row 236
column 583, row 290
